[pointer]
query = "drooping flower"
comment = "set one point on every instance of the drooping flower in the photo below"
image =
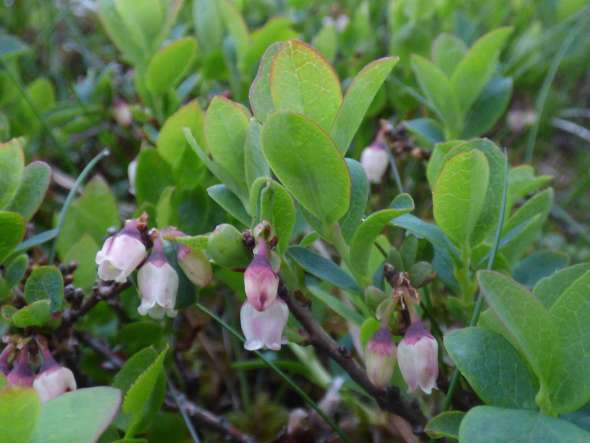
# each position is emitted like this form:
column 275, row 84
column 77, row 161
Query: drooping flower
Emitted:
column 53, row 380
column 195, row 265
column 417, row 355
column 122, row 113
column 121, row 254
column 21, row 373
column 260, row 280
column 380, row 358
column 264, row 329
column 374, row 160
column 158, row 285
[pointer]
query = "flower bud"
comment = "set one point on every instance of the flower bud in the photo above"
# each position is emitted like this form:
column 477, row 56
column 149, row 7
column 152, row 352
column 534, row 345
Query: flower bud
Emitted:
column 21, row 373
column 226, row 247
column 417, row 355
column 121, row 254
column 158, row 285
column 53, row 380
column 260, row 280
column 264, row 329
column 195, row 265
column 380, row 358
column 374, row 160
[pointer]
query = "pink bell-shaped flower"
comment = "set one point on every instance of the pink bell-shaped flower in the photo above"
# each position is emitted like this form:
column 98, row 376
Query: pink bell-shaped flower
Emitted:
column 417, row 355
column 260, row 280
column 21, row 373
column 195, row 265
column 121, row 254
column 374, row 160
column 264, row 329
column 53, row 380
column 158, row 285
column 380, row 358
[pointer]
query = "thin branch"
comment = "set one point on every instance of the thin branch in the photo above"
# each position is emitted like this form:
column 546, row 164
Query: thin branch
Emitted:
column 388, row 399
column 215, row 422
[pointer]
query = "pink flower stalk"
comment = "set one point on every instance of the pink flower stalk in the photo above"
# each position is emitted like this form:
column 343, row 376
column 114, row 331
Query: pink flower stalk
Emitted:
column 121, row 254
column 417, row 355
column 21, row 373
column 264, row 329
column 158, row 285
column 380, row 358
column 374, row 160
column 53, row 380
column 260, row 280
column 195, row 265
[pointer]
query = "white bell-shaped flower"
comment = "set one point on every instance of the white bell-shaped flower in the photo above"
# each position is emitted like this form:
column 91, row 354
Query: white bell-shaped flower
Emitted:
column 158, row 285
column 264, row 329
column 417, row 355
column 374, row 160
column 54, row 382
column 121, row 254
column 380, row 358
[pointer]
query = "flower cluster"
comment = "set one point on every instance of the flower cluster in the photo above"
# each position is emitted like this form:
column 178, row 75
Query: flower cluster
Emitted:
column 49, row 379
column 263, row 316
column 158, row 281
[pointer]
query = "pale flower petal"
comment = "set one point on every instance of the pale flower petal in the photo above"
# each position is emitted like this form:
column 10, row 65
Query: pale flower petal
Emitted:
column 264, row 329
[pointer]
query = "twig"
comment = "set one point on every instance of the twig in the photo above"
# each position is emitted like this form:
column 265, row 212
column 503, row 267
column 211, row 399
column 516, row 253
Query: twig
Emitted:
column 101, row 291
column 215, row 422
column 388, row 399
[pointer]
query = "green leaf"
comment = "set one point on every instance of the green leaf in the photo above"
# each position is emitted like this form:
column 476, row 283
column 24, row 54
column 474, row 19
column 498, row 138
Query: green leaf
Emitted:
column 32, row 189
column 93, row 213
column 489, row 107
column 437, row 88
column 336, row 305
column 226, row 128
column 255, row 163
column 143, row 20
column 45, row 283
column 358, row 98
column 34, row 314
column 549, row 289
column 259, row 94
column 528, row 323
column 445, row 425
column 539, row 264
column 153, row 175
column 236, row 26
column 522, row 181
column 274, row 30
column 477, row 67
column 133, row 368
column 427, row 130
column 302, row 81
column 487, row 424
column 145, row 396
column 173, row 147
column 208, row 24
column 228, row 201
column 367, row 330
column 11, row 46
column 459, row 195
column 359, row 194
column 274, row 204
column 19, row 411
column 322, row 268
column 79, row 416
column 492, row 367
column 11, row 168
column 571, row 315
column 83, row 252
column 16, row 269
column 368, row 231
column 308, row 164
column 170, row 64
column 447, row 51
column 532, row 215
column 12, row 230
